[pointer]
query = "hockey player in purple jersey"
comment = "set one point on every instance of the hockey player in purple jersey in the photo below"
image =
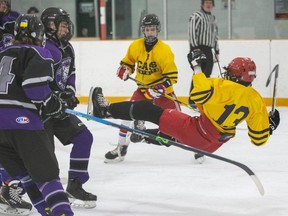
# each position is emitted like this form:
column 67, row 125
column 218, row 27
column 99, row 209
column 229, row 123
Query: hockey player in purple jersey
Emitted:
column 25, row 150
column 7, row 21
column 59, row 30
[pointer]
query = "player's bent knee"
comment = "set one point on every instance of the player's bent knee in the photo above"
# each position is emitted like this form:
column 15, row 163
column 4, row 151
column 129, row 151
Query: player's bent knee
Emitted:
column 145, row 110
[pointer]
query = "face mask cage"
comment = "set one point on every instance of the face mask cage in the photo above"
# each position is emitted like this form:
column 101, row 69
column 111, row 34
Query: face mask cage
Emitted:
column 150, row 39
column 232, row 77
column 66, row 19
column 225, row 74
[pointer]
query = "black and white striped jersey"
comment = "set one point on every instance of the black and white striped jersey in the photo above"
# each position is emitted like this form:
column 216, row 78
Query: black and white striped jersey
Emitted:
column 203, row 30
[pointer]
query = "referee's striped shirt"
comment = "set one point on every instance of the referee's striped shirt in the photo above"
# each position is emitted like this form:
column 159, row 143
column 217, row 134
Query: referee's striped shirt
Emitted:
column 203, row 30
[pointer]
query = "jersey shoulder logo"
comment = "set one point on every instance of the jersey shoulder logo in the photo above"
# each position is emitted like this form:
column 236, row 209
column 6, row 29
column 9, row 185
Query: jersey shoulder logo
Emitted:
column 22, row 120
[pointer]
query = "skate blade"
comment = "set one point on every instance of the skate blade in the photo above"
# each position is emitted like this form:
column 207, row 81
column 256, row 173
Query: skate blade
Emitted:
column 116, row 160
column 76, row 203
column 7, row 210
column 200, row 160
column 90, row 104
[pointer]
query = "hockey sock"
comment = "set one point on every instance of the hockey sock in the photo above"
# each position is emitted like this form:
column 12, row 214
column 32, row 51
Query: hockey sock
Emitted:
column 55, row 197
column 33, row 193
column 122, row 140
column 4, row 175
column 79, row 156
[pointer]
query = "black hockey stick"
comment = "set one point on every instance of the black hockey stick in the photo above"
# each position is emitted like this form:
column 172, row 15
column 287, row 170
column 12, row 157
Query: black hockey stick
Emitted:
column 170, row 142
column 218, row 63
column 164, row 95
column 276, row 70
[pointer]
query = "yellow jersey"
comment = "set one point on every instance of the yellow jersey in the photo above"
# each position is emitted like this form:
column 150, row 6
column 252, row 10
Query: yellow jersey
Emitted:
column 228, row 103
column 152, row 67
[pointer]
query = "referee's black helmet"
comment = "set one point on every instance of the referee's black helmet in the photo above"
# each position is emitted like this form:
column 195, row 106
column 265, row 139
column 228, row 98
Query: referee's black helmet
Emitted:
column 202, row 2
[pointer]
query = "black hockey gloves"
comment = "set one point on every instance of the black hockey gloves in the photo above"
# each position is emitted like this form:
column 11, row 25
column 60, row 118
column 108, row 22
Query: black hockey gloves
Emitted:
column 54, row 107
column 274, row 120
column 69, row 98
column 197, row 58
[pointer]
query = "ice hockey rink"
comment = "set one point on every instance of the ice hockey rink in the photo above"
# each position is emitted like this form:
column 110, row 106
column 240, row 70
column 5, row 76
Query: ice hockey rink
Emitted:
column 160, row 181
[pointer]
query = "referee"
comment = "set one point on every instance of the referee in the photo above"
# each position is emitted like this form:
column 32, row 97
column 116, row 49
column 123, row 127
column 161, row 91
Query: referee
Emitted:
column 203, row 35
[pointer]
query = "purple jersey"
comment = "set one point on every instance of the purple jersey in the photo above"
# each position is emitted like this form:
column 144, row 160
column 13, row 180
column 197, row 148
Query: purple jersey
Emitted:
column 64, row 65
column 26, row 71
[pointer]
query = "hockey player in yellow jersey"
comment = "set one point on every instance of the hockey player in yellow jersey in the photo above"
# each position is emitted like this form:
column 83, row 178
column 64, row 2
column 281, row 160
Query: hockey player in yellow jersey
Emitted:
column 155, row 66
column 153, row 62
column 226, row 104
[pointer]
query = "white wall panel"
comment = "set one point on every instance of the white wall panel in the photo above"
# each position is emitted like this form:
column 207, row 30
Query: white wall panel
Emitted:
column 97, row 63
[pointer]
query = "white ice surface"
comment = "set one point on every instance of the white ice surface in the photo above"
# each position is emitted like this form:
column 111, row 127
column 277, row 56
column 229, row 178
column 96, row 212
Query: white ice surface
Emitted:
column 160, row 181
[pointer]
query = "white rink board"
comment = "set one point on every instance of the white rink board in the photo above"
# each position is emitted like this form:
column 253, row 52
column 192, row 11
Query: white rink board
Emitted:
column 97, row 63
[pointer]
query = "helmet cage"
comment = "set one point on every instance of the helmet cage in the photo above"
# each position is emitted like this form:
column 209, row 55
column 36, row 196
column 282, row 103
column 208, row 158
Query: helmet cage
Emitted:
column 64, row 18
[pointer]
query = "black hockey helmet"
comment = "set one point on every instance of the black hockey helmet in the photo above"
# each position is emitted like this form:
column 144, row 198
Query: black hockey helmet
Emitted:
column 56, row 16
column 202, row 2
column 150, row 20
column 29, row 29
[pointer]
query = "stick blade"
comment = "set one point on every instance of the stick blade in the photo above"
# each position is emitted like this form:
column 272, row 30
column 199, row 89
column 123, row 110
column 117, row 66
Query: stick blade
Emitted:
column 258, row 184
column 270, row 75
column 268, row 81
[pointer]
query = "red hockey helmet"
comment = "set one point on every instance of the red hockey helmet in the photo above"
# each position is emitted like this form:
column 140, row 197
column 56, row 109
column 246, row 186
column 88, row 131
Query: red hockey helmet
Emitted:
column 241, row 70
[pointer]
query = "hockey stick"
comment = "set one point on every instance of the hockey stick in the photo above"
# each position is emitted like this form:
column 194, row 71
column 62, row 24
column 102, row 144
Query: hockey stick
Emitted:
column 215, row 56
column 164, row 95
column 46, row 119
column 276, row 70
column 170, row 142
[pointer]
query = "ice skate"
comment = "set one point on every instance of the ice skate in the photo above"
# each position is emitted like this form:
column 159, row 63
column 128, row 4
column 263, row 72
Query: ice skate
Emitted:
column 140, row 125
column 11, row 203
column 78, row 197
column 116, row 155
column 97, row 104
